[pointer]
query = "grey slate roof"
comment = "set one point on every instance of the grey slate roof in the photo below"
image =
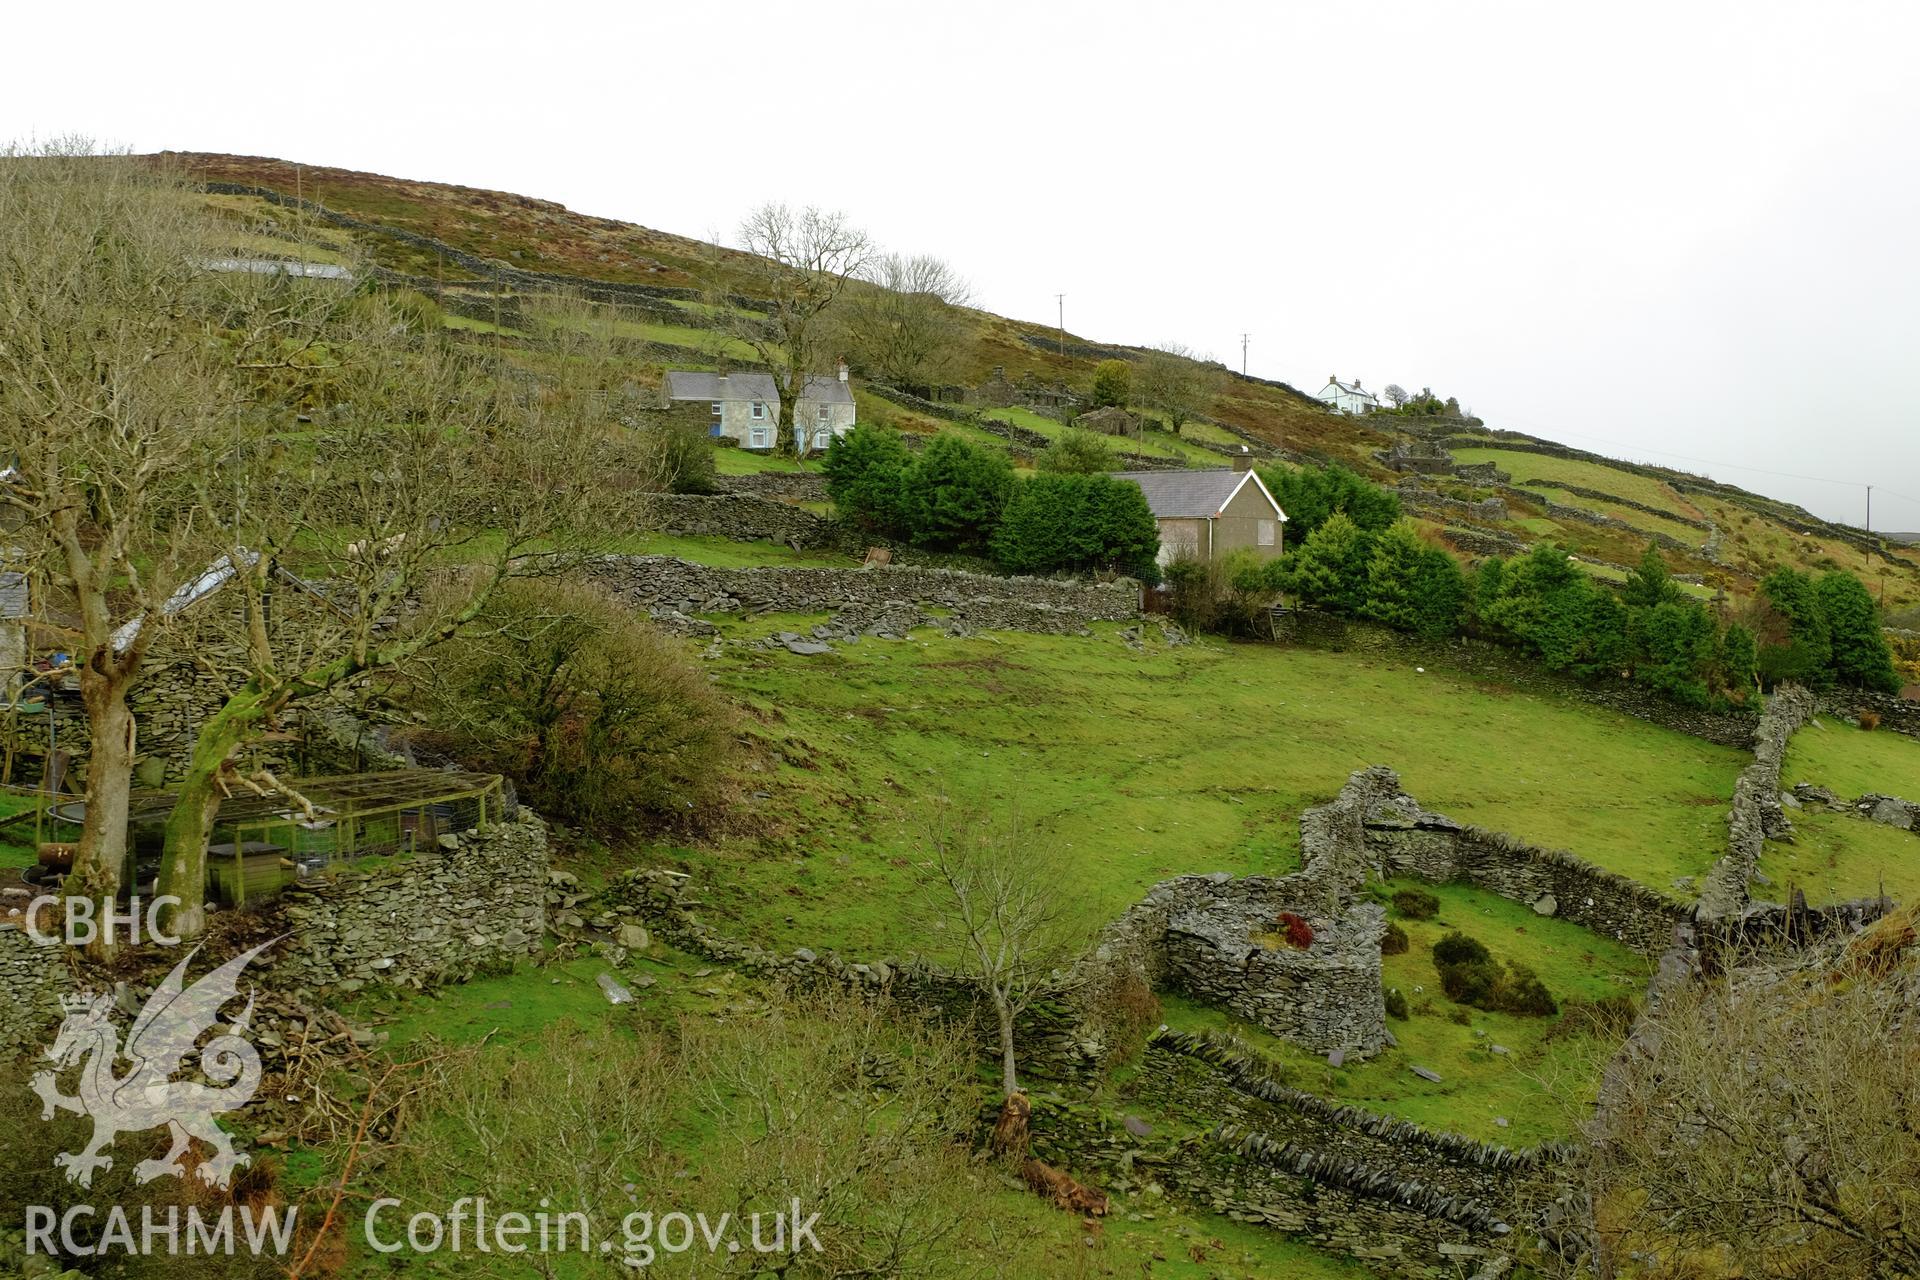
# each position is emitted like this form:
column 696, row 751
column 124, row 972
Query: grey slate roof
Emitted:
column 1186, row 494
column 683, row 384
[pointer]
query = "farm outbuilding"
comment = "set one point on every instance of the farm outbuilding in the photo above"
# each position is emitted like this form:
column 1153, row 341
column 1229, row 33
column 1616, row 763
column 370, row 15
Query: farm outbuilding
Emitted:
column 1207, row 514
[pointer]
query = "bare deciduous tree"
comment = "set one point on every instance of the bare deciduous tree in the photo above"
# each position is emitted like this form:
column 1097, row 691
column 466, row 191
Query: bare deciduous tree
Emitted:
column 1177, row 382
column 384, row 526
column 834, row 1101
column 994, row 892
column 1396, row 395
column 1771, row 1126
column 123, row 364
column 799, row 262
column 903, row 323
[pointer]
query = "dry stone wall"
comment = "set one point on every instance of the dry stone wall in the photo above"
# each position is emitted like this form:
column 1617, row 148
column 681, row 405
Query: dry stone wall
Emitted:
column 1757, row 813
column 1397, row 1227
column 1053, row 1042
column 662, row 584
column 465, row 905
column 34, row 978
column 1901, row 715
column 1397, row 837
column 1229, row 949
column 793, row 486
column 747, row 517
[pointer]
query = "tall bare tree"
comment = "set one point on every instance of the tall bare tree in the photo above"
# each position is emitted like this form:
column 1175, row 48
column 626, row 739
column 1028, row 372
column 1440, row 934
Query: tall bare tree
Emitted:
column 903, row 324
column 1396, row 395
column 798, row 263
column 993, row 895
column 385, row 525
column 1178, row 382
column 123, row 361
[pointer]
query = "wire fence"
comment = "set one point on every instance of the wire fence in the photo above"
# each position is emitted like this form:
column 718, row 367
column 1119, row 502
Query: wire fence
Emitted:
column 260, row 844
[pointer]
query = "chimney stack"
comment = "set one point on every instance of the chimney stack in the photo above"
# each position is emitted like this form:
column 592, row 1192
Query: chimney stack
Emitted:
column 843, row 371
column 1243, row 461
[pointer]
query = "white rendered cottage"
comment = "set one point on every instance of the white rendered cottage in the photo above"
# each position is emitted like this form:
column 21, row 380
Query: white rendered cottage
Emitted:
column 1345, row 397
column 745, row 407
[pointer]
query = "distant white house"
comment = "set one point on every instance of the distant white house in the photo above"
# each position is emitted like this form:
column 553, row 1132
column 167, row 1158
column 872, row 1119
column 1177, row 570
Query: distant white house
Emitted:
column 745, row 407
column 1347, row 397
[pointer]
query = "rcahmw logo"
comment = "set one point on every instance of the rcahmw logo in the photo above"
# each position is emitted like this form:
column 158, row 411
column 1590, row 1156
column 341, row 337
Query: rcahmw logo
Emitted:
column 146, row 1096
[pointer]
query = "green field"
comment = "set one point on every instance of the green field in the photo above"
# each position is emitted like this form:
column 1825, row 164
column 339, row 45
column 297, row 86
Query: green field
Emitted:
column 1144, row 765
column 1541, row 1086
column 1588, row 475
column 726, row 553
column 511, row 1014
column 1834, row 857
column 1155, row 442
column 1852, row 762
column 746, row 462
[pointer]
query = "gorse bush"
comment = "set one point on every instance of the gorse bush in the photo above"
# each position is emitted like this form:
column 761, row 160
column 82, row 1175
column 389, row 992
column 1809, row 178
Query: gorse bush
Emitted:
column 600, row 720
column 1470, row 975
column 1822, row 633
column 1394, row 942
column 686, row 460
column 1416, row 904
column 866, row 474
column 1396, row 1003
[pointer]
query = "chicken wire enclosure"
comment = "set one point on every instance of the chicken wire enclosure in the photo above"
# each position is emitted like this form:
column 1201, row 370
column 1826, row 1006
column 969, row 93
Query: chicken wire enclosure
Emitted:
column 261, row 844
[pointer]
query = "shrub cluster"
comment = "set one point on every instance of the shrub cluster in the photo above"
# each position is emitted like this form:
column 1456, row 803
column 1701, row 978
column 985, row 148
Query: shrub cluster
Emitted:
column 1389, row 575
column 601, row 721
column 1233, row 595
column 1546, row 604
column 1822, row 632
column 1396, row 1002
column 958, row 496
column 1470, row 975
column 1416, row 904
column 1394, row 942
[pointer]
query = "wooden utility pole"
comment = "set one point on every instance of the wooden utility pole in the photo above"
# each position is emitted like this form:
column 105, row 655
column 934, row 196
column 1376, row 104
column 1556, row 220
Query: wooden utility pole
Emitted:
column 1061, row 299
column 1243, row 354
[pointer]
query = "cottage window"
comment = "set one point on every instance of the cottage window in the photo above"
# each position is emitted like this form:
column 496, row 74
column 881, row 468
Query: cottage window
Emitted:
column 1269, row 530
column 759, row 409
column 716, row 408
column 825, row 415
column 759, row 438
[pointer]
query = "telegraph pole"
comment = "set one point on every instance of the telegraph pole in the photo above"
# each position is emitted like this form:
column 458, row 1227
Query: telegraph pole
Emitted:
column 1243, row 354
column 1061, row 299
column 1870, row 526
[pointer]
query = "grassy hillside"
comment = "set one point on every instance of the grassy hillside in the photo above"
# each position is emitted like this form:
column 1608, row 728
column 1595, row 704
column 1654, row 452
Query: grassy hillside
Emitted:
column 1148, row 764
column 452, row 238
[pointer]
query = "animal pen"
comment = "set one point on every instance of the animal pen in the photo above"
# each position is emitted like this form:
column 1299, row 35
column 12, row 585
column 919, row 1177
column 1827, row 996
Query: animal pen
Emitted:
column 262, row 843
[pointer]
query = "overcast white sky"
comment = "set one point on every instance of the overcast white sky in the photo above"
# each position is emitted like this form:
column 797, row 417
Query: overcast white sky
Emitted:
column 1676, row 227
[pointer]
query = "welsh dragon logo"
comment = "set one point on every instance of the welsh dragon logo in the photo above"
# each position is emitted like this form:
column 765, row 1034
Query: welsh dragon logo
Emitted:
column 147, row 1096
